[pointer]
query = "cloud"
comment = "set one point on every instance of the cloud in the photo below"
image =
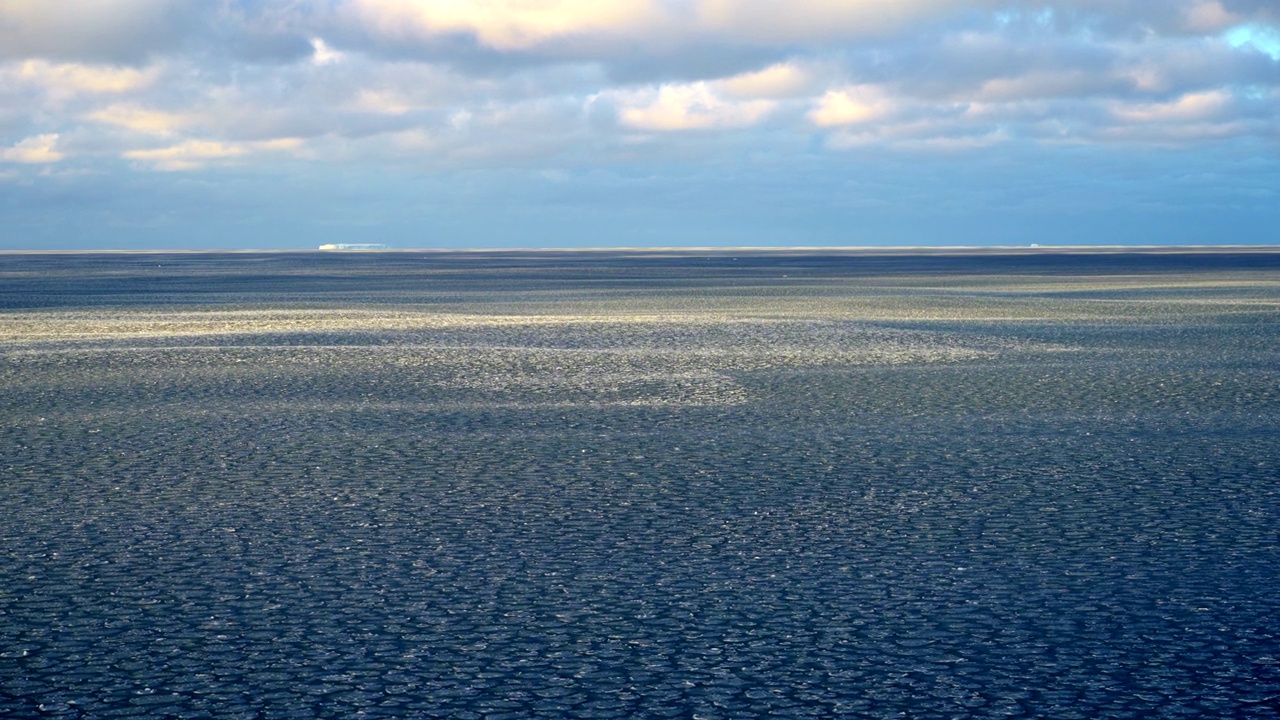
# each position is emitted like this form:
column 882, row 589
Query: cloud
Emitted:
column 141, row 120
column 36, row 150
column 822, row 20
column 66, row 78
column 443, row 83
column 780, row 80
column 1192, row 106
column 381, row 102
column 503, row 25
column 690, row 106
column 1208, row 16
column 195, row 154
column 91, row 30
column 322, row 54
column 851, row 106
column 1047, row 84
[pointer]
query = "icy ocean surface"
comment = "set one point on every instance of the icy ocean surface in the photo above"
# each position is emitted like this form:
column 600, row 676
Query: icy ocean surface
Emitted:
column 607, row 485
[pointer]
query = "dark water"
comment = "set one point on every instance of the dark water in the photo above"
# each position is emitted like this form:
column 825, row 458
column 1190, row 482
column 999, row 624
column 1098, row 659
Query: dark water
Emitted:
column 606, row 485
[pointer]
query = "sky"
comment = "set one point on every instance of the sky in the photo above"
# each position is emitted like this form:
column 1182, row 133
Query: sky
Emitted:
column 285, row 124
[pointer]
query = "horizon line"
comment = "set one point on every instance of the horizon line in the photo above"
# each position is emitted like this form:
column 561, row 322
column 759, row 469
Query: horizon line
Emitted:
column 860, row 249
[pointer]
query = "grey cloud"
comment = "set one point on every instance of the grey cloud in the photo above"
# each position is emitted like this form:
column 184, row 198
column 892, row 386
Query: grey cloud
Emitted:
column 243, row 71
column 119, row 31
column 1046, row 61
column 957, row 64
column 687, row 48
column 137, row 31
column 701, row 61
column 689, row 57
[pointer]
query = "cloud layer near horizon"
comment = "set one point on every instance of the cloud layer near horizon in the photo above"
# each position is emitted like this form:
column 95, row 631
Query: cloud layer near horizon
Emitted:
column 572, row 86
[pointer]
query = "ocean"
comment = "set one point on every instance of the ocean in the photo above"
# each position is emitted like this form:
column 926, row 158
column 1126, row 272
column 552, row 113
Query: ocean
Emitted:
column 609, row 484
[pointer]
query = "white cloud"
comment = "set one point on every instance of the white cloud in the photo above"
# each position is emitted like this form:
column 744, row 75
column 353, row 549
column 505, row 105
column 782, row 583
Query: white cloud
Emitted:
column 187, row 155
column 381, row 102
column 64, row 78
column 1190, row 107
column 851, row 106
column 194, row 154
column 35, row 150
column 505, row 24
column 141, row 120
column 322, row 54
column 582, row 81
column 780, row 80
column 688, row 106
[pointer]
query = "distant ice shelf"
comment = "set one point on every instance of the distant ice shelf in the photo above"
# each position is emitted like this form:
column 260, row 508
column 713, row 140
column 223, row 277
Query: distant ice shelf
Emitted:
column 354, row 246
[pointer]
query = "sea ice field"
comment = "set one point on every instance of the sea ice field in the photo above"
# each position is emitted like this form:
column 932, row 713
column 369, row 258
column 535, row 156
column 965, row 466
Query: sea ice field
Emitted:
column 613, row 484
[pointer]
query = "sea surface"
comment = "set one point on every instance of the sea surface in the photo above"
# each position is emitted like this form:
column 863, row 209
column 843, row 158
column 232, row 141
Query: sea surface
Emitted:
column 637, row 484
